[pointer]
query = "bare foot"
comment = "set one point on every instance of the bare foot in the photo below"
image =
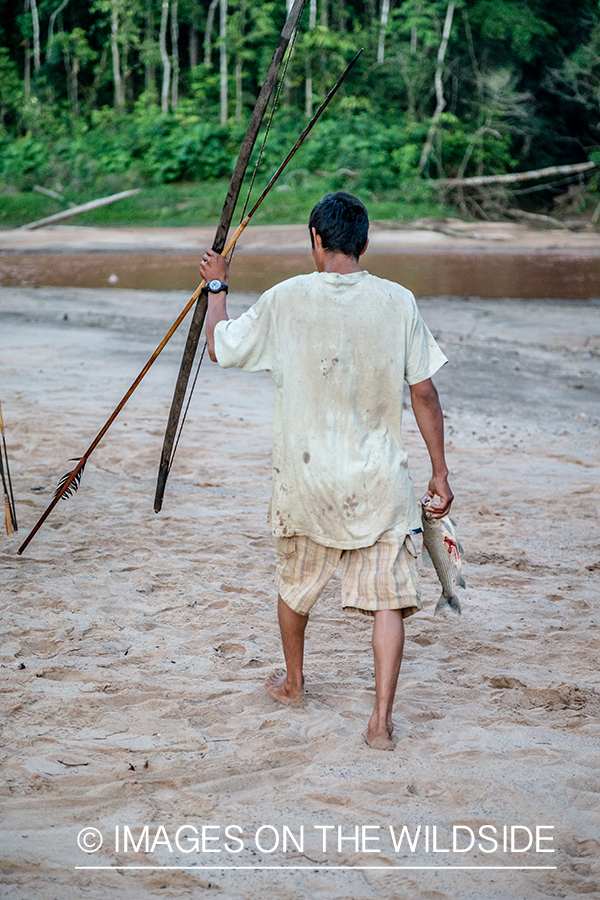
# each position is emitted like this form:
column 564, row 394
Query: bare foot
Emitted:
column 379, row 740
column 277, row 687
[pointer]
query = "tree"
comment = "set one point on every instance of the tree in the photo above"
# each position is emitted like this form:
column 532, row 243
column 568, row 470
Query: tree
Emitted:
column 175, row 55
column 223, row 59
column 439, row 89
column 116, row 62
column 35, row 21
column 385, row 11
column 164, row 56
column 10, row 88
column 308, row 84
column 51, row 24
column 76, row 52
column 208, row 33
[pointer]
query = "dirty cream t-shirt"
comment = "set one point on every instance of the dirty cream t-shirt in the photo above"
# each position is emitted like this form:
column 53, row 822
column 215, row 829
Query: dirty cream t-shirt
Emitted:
column 339, row 348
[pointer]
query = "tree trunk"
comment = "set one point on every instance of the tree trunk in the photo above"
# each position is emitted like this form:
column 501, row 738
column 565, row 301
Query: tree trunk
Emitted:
column 174, row 55
column 164, row 56
column 35, row 21
column 75, row 210
column 308, row 90
column 239, row 86
column 92, row 92
column 308, row 83
column 193, row 45
column 75, row 86
column 385, row 11
column 287, row 87
column 572, row 169
column 51, row 23
column 149, row 42
column 114, row 29
column 69, row 71
column 325, row 24
column 238, row 89
column 439, row 87
column 312, row 15
column 127, row 89
column 410, row 91
column 210, row 17
column 223, row 60
column 27, row 73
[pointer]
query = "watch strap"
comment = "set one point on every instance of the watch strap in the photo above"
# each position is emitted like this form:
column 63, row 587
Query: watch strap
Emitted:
column 223, row 286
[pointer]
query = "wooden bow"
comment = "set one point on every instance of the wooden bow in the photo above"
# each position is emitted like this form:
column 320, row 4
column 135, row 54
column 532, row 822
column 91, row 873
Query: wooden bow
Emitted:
column 231, row 199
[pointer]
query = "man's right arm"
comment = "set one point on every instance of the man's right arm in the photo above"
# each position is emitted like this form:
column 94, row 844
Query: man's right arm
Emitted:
column 430, row 419
column 214, row 266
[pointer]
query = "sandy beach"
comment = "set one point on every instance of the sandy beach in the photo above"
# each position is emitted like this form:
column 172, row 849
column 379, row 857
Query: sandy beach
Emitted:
column 136, row 645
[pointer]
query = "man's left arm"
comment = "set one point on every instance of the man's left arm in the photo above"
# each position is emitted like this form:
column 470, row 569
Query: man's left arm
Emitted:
column 430, row 419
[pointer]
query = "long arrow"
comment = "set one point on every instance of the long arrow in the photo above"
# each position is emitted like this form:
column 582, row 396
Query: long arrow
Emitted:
column 70, row 482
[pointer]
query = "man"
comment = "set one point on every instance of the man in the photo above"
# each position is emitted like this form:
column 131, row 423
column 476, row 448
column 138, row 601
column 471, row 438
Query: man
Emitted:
column 339, row 344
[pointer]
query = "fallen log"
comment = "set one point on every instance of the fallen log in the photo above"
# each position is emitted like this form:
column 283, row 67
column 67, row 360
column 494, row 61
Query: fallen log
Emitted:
column 53, row 194
column 535, row 217
column 573, row 169
column 75, row 210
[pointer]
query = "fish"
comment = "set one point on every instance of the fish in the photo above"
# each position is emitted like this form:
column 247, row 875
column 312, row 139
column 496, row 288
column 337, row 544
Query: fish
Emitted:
column 445, row 551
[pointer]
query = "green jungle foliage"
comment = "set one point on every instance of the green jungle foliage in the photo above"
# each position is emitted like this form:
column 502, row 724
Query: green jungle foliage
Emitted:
column 97, row 97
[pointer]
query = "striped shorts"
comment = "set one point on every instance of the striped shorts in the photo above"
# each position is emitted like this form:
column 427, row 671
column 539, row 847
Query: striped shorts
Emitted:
column 383, row 576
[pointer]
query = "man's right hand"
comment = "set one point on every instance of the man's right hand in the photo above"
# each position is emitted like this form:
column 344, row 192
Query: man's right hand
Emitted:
column 214, row 267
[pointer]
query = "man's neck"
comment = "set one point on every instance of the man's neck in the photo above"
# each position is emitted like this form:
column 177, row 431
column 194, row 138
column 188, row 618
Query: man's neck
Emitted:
column 339, row 262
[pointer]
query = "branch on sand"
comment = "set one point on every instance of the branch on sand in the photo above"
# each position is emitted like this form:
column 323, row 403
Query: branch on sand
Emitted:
column 75, row 210
column 512, row 177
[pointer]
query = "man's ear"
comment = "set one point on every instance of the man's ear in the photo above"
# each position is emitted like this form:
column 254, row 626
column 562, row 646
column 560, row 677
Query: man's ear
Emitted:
column 317, row 239
column 364, row 249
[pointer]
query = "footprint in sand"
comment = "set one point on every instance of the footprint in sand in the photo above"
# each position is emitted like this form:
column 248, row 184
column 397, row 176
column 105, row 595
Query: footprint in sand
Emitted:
column 424, row 640
column 229, row 649
column 43, row 648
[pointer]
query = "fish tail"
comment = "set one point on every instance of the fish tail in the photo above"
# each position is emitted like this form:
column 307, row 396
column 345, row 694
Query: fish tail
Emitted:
column 452, row 602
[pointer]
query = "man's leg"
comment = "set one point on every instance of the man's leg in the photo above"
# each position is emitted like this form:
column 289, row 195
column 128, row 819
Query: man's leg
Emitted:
column 287, row 687
column 388, row 643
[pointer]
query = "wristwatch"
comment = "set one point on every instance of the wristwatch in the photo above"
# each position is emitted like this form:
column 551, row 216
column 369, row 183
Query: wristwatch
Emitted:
column 215, row 287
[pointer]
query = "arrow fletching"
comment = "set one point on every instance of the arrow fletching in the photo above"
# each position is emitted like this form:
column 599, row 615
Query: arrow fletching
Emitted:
column 73, row 486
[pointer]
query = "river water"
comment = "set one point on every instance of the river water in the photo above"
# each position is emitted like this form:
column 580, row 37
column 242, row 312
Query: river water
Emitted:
column 547, row 275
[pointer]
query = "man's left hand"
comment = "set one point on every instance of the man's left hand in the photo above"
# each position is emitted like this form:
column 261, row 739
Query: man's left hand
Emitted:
column 439, row 487
column 214, row 266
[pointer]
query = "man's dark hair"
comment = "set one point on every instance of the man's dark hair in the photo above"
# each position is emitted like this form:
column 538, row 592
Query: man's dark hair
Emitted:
column 342, row 223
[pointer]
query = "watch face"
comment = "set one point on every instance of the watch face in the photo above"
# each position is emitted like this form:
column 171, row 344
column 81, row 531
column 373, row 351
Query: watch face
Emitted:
column 214, row 285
